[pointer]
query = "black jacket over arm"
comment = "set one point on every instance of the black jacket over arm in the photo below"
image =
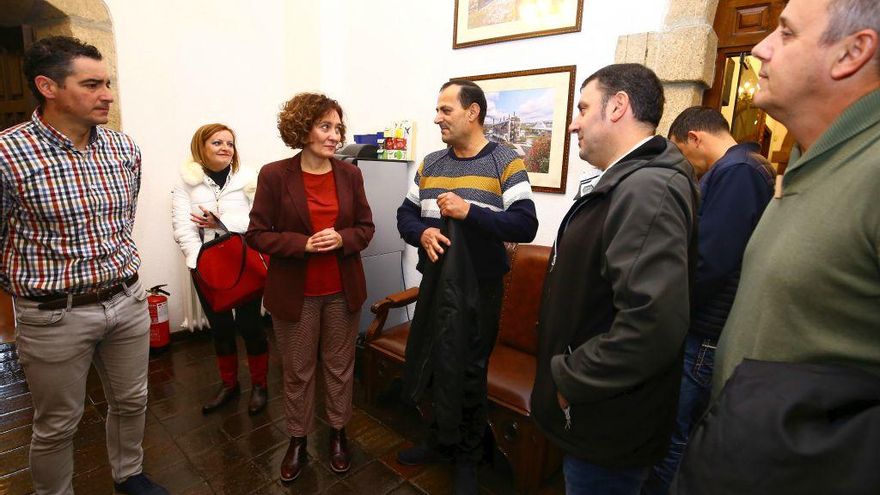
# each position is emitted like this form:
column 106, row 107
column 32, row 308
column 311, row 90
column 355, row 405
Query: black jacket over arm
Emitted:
column 445, row 319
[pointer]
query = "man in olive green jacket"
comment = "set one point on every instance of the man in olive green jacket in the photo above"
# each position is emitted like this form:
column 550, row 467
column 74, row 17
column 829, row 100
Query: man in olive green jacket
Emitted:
column 810, row 288
column 798, row 364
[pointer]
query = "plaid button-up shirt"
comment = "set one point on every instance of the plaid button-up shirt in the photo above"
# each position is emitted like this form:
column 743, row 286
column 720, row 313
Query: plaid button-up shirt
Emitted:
column 66, row 215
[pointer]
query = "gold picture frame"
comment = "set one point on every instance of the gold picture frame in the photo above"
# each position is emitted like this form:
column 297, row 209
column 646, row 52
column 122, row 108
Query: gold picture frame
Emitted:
column 529, row 111
column 480, row 22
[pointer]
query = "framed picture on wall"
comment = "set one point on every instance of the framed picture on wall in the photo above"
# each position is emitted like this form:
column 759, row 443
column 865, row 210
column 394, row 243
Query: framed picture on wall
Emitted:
column 529, row 112
column 479, row 22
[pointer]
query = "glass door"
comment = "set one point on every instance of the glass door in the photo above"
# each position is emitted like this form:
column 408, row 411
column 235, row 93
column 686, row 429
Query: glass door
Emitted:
column 748, row 122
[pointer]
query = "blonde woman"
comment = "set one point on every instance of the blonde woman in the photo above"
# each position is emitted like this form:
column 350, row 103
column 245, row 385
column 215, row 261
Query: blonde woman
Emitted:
column 213, row 186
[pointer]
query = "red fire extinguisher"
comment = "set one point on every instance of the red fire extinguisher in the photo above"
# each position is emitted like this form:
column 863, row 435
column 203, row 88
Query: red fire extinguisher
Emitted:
column 160, row 329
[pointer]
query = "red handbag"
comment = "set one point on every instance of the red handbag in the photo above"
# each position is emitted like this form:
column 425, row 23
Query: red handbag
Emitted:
column 228, row 272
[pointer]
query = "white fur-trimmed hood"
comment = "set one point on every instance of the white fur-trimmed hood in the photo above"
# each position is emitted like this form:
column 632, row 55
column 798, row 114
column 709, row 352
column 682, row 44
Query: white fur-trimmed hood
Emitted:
column 250, row 184
column 193, row 174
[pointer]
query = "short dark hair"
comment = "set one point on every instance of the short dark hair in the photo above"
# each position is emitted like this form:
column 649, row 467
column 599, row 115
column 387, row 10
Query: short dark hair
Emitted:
column 469, row 94
column 639, row 82
column 53, row 57
column 698, row 118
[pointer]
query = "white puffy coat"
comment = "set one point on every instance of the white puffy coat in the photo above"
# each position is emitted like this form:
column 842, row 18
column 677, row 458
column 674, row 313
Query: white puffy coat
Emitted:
column 231, row 203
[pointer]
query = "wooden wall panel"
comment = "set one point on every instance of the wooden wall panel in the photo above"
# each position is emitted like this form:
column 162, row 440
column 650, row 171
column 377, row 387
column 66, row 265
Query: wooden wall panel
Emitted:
column 746, row 22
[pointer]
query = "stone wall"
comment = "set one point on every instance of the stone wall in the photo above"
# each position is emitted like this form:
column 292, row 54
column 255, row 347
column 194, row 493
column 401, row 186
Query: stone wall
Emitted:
column 682, row 55
column 87, row 20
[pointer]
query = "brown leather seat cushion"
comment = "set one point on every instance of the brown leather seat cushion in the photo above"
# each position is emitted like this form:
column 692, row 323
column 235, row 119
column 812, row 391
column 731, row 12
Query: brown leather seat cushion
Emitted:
column 392, row 342
column 511, row 372
column 511, row 378
column 512, row 364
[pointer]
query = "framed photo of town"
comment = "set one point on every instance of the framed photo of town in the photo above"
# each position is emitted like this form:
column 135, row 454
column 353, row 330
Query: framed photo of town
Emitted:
column 528, row 111
column 479, row 22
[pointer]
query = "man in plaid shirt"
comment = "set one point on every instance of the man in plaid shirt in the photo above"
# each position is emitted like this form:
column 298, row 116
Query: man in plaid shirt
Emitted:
column 68, row 194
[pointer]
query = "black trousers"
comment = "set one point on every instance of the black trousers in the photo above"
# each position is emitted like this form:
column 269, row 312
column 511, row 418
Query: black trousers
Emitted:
column 474, row 389
column 246, row 319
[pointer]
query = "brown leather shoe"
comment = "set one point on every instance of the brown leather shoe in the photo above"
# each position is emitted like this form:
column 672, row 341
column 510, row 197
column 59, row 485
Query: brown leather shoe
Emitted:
column 259, row 397
column 295, row 459
column 340, row 456
column 224, row 396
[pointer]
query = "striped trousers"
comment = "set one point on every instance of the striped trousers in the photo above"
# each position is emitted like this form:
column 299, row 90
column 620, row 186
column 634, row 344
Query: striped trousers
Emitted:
column 326, row 329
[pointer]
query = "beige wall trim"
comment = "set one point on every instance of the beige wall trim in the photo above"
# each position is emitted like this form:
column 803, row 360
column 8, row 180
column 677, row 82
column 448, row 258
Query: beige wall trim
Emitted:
column 91, row 23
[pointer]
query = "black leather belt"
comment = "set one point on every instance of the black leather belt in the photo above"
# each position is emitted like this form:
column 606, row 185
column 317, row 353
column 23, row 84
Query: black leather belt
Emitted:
column 58, row 301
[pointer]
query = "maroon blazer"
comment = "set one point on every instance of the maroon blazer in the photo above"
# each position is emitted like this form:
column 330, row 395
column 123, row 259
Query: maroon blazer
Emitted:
column 280, row 226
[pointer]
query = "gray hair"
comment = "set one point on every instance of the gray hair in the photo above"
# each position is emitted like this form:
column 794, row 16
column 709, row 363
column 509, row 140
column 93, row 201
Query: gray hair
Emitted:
column 845, row 17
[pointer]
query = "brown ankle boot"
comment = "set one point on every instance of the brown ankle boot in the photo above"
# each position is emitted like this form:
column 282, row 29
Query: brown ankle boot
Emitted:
column 340, row 456
column 295, row 459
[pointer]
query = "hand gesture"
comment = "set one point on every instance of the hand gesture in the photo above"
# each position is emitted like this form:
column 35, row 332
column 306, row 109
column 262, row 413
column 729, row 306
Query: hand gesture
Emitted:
column 433, row 242
column 206, row 221
column 452, row 206
column 563, row 402
column 324, row 241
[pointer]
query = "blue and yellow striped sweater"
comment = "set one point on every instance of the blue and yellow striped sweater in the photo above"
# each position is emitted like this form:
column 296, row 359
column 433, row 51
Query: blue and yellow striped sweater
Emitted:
column 494, row 182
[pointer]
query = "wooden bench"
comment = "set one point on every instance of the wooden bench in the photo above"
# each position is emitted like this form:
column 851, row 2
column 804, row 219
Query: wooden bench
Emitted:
column 511, row 366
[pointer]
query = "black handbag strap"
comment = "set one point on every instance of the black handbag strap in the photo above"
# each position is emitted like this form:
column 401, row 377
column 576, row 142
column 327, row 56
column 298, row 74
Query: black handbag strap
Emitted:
column 220, row 225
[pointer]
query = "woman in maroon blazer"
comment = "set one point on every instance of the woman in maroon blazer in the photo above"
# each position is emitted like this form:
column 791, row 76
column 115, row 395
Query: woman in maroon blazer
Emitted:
column 311, row 216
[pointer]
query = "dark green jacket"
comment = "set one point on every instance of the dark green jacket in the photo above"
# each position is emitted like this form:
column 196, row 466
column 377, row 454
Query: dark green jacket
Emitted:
column 810, row 286
column 617, row 294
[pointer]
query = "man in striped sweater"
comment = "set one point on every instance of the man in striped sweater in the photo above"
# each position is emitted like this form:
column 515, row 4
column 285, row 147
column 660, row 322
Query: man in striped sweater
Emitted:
column 485, row 186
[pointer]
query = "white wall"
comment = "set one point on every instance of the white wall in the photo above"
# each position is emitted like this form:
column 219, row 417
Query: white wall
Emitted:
column 183, row 64
column 395, row 55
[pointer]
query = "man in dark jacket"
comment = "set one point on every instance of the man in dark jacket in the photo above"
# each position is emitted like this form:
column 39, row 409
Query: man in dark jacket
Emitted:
column 736, row 184
column 615, row 306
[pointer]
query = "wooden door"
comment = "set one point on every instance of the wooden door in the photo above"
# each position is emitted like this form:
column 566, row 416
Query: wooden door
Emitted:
column 16, row 101
column 16, row 105
column 7, row 319
column 740, row 25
